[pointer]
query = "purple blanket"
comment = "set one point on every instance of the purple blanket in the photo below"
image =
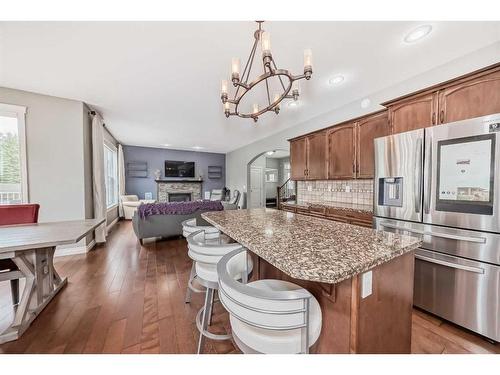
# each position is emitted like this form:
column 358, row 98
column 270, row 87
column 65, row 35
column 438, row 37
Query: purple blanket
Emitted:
column 178, row 208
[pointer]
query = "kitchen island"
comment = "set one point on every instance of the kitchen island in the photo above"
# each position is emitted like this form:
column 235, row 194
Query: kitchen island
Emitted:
column 362, row 278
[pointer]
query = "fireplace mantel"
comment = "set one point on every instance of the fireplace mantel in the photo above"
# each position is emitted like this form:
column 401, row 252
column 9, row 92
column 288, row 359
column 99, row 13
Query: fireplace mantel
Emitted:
column 169, row 186
column 182, row 181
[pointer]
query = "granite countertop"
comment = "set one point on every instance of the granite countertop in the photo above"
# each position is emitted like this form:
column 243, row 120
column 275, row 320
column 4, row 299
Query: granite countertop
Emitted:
column 310, row 248
column 353, row 207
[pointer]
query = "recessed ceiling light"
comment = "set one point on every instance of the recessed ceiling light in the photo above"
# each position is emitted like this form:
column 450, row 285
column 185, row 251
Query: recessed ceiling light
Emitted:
column 166, row 144
column 270, row 153
column 336, row 80
column 418, row 33
column 293, row 103
column 197, row 147
column 365, row 103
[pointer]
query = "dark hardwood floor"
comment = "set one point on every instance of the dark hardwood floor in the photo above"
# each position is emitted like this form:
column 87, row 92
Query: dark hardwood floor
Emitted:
column 124, row 298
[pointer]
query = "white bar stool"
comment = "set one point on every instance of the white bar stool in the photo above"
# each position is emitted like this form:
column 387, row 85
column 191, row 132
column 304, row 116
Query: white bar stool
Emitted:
column 206, row 253
column 268, row 316
column 190, row 226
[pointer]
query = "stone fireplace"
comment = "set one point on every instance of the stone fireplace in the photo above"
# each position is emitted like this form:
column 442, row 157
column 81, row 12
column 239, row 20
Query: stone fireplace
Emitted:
column 178, row 190
column 180, row 197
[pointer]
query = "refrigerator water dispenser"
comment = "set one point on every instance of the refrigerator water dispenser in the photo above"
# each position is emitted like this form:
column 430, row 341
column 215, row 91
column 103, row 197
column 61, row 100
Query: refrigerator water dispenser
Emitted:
column 390, row 191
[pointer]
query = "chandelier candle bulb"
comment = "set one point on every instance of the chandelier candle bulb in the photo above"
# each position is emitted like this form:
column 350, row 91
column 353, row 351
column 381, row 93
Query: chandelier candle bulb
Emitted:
column 224, row 90
column 266, row 42
column 277, row 106
column 226, row 109
column 223, row 86
column 235, row 69
column 295, row 90
column 307, row 63
column 266, row 48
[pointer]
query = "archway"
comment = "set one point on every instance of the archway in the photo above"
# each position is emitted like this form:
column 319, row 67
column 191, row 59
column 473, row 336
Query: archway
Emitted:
column 264, row 175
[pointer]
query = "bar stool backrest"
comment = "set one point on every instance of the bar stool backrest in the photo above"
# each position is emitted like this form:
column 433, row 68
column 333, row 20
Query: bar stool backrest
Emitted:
column 269, row 309
column 189, row 226
column 204, row 248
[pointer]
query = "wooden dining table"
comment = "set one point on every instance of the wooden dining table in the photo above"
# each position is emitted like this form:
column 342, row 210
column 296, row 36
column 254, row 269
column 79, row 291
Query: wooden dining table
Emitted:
column 31, row 247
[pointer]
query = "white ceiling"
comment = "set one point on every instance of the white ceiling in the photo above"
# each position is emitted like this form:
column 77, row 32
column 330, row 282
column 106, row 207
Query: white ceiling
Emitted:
column 159, row 82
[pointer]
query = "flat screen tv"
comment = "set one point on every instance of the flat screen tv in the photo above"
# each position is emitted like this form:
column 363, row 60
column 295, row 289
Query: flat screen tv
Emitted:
column 179, row 168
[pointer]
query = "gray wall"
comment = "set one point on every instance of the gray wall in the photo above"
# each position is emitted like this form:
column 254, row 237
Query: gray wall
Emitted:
column 59, row 155
column 55, row 150
column 237, row 160
column 155, row 157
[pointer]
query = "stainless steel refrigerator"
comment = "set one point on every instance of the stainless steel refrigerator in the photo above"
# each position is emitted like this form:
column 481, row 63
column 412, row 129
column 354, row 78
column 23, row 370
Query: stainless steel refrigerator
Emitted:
column 443, row 184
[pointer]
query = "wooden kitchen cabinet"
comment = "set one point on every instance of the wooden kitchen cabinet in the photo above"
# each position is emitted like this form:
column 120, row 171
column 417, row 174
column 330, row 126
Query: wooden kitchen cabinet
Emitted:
column 345, row 151
column 368, row 129
column 298, row 159
column 341, row 152
column 364, row 219
column 317, row 156
column 479, row 96
column 413, row 113
column 308, row 157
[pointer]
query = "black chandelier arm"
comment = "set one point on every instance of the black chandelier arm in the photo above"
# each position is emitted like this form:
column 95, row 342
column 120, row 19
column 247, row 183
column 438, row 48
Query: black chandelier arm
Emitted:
column 267, row 85
column 248, row 66
column 231, row 101
column 243, row 85
column 281, row 81
column 301, row 76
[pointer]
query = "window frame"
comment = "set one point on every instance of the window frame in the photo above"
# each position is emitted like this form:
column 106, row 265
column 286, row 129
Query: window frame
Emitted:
column 19, row 112
column 111, row 147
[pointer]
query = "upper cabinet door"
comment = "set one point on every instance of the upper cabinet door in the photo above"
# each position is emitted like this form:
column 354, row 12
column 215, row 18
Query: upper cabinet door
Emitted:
column 413, row 113
column 317, row 156
column 477, row 97
column 341, row 160
column 298, row 159
column 368, row 129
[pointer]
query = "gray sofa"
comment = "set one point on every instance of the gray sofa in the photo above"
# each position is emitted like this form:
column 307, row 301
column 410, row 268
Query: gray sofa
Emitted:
column 162, row 225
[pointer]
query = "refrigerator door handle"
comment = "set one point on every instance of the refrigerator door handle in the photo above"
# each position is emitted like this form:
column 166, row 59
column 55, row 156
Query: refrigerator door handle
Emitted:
column 450, row 264
column 441, row 235
column 428, row 172
column 417, row 188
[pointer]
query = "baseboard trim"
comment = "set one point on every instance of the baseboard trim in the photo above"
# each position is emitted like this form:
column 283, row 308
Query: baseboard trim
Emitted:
column 73, row 250
column 65, row 251
column 112, row 224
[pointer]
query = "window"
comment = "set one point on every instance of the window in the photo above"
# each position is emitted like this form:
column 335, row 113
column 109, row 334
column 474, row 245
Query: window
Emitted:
column 13, row 175
column 111, row 175
column 287, row 174
column 271, row 175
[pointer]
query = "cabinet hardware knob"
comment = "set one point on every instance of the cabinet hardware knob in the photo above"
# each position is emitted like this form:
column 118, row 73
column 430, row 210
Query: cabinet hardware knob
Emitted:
column 441, row 117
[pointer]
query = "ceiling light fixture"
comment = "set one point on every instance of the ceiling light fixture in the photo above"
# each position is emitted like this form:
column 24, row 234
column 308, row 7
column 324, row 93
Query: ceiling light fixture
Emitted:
column 365, row 103
column 418, row 33
column 197, row 147
column 287, row 81
column 271, row 152
column 336, row 80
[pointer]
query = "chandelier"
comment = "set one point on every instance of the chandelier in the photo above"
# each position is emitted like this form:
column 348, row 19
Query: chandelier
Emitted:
column 273, row 84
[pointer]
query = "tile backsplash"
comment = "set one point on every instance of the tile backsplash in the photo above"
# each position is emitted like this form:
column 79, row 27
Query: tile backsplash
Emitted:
column 342, row 191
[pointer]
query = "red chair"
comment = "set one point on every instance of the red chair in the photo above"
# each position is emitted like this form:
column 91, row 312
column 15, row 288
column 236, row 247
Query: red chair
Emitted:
column 19, row 214
column 12, row 215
